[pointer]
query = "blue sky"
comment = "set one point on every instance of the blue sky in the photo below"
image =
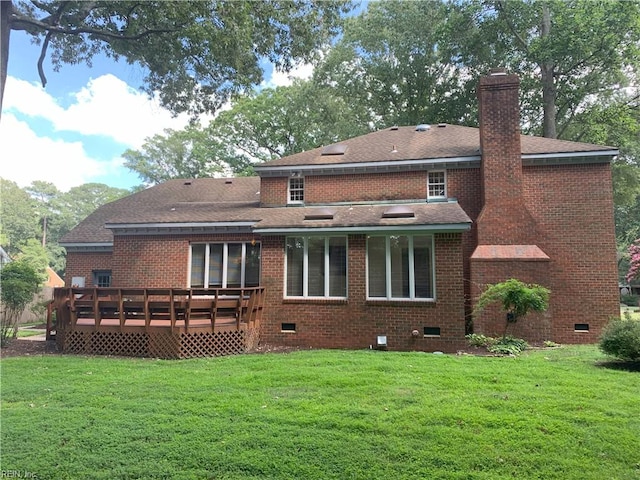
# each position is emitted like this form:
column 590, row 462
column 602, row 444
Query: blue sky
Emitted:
column 75, row 130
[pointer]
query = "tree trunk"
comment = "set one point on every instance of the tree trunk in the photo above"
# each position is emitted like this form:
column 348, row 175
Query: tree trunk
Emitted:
column 549, row 92
column 6, row 8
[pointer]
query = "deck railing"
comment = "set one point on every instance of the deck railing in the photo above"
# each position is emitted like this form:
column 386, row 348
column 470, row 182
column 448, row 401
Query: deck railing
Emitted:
column 185, row 314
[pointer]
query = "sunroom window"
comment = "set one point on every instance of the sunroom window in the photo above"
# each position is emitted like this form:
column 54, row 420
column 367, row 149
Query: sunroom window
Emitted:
column 225, row 265
column 316, row 267
column 400, row 267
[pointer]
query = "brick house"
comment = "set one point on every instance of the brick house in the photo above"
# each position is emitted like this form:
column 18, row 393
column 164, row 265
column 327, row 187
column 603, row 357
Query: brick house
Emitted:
column 388, row 234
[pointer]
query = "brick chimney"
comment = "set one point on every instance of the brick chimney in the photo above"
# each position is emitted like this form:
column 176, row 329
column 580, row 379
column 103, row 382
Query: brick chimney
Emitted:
column 504, row 218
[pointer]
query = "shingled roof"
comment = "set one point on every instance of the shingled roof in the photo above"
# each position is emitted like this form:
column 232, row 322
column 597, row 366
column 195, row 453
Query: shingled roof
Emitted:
column 442, row 141
column 237, row 200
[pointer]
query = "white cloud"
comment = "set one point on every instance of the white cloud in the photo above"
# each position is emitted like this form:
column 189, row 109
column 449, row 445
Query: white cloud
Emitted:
column 106, row 106
column 28, row 157
column 284, row 79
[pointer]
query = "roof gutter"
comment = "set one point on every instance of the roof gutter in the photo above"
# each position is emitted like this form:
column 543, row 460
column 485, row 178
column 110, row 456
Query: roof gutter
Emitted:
column 434, row 228
column 180, row 227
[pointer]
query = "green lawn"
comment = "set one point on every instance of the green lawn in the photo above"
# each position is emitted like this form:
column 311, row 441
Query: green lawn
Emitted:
column 549, row 414
column 633, row 312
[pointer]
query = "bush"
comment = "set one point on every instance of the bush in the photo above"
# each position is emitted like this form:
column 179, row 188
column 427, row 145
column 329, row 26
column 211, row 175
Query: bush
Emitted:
column 621, row 339
column 478, row 340
column 630, row 300
column 508, row 345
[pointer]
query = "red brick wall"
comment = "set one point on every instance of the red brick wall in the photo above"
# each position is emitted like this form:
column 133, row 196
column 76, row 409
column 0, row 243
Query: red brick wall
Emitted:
column 157, row 260
column 355, row 322
column 83, row 265
column 348, row 188
column 273, row 191
column 572, row 207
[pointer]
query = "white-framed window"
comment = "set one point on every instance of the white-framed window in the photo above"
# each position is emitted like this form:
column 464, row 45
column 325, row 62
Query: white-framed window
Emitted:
column 296, row 190
column 316, row 267
column 101, row 278
column 400, row 267
column 225, row 265
column 437, row 184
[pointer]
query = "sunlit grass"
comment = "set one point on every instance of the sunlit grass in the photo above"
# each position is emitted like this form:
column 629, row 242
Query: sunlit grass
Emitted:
column 553, row 413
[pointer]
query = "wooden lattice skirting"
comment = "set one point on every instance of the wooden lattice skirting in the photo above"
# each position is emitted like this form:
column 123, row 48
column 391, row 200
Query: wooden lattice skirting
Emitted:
column 158, row 344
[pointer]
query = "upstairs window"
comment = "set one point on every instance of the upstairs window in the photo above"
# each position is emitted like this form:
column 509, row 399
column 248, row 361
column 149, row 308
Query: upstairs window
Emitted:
column 437, row 185
column 225, row 265
column 296, row 190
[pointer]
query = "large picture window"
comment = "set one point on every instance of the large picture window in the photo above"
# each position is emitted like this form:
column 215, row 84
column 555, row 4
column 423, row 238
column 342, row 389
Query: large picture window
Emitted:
column 400, row 267
column 316, row 267
column 225, row 265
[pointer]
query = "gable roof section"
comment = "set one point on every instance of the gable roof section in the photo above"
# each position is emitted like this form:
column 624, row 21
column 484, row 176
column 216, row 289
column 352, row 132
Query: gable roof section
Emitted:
column 440, row 144
column 175, row 203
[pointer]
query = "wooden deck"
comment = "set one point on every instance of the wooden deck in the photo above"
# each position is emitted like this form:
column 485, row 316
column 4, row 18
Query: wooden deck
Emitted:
column 156, row 322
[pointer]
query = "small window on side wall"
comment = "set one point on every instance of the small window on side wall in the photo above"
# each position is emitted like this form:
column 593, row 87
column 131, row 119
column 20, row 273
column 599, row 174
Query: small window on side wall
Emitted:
column 296, row 190
column 102, row 278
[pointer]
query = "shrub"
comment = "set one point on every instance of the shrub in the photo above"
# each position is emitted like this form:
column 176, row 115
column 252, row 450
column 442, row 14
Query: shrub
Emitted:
column 508, row 345
column 516, row 299
column 478, row 340
column 621, row 339
column 20, row 281
column 550, row 344
column 630, row 300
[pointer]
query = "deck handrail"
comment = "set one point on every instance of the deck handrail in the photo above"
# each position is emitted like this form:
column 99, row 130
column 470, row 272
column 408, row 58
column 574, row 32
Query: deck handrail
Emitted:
column 156, row 305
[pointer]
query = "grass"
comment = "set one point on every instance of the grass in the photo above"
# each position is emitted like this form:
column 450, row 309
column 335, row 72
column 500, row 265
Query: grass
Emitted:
column 553, row 413
column 24, row 332
column 633, row 312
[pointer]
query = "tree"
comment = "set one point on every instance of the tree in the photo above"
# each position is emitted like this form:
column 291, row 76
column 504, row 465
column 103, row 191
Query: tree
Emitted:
column 634, row 261
column 573, row 51
column 287, row 120
column 258, row 127
column 20, row 281
column 516, row 299
column 188, row 153
column 43, row 192
column 194, row 53
column 18, row 217
column 394, row 58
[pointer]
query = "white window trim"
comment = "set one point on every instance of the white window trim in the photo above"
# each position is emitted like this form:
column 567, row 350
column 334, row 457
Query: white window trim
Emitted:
column 305, row 269
column 295, row 202
column 412, row 297
column 225, row 257
column 436, row 197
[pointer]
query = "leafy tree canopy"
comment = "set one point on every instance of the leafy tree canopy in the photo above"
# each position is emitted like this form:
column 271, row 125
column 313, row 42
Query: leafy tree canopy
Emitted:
column 195, row 53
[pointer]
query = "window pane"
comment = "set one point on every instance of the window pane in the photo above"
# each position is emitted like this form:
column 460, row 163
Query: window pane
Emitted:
column 295, row 256
column 399, row 252
column 422, row 266
column 252, row 268
column 234, row 265
column 338, row 267
column 315, row 276
column 376, row 255
column 215, row 265
column 197, row 265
